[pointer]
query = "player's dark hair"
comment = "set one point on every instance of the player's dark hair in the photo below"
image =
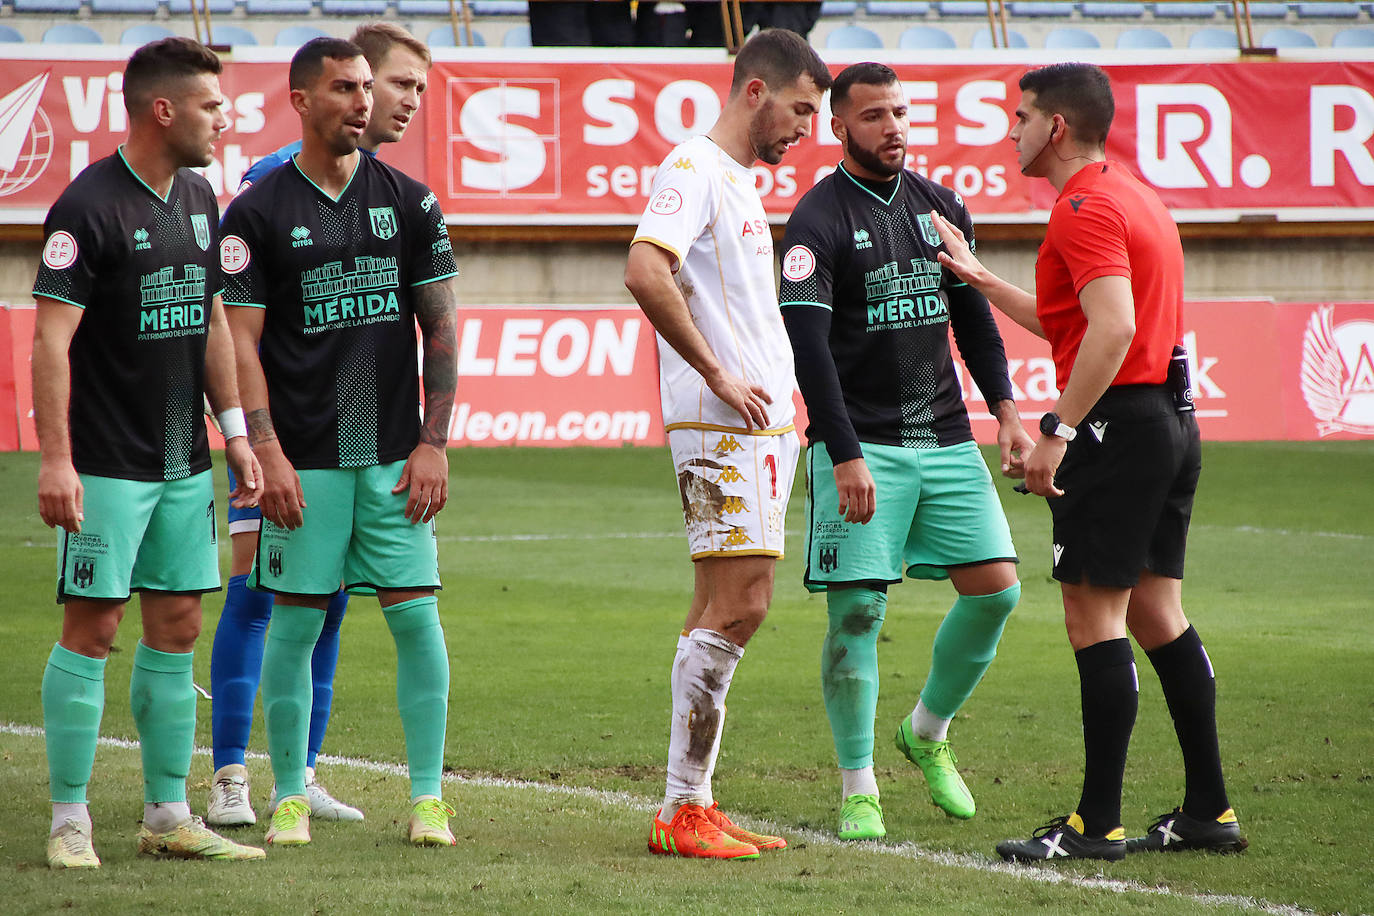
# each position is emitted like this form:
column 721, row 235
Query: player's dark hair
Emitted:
column 308, row 62
column 779, row 57
column 378, row 38
column 154, row 66
column 867, row 73
column 1081, row 93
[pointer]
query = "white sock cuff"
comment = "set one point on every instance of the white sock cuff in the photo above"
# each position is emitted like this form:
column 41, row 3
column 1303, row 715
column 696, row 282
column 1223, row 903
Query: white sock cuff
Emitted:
column 716, row 641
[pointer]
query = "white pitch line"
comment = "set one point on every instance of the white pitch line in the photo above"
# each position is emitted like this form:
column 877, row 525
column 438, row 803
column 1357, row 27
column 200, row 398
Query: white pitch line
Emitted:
column 908, row 850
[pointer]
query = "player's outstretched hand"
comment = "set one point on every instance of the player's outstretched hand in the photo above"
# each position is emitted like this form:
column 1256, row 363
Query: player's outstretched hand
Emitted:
column 748, row 400
column 857, row 491
column 426, row 474
column 247, row 471
column 59, row 495
column 1043, row 462
column 957, row 256
column 282, row 499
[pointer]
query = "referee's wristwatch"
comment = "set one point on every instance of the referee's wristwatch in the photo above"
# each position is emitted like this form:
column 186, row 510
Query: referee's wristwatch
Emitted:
column 1051, row 425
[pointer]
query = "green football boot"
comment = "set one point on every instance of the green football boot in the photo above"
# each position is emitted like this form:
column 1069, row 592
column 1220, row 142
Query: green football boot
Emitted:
column 861, row 818
column 937, row 763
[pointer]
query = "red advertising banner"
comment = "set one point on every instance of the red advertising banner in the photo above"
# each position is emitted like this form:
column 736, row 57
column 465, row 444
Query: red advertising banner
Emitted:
column 573, row 137
column 589, row 376
column 9, row 396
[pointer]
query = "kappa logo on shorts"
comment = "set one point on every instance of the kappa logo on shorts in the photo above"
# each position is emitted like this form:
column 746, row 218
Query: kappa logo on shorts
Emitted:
column 274, row 561
column 731, row 474
column 726, row 445
column 737, row 538
column 829, row 557
column 83, row 572
column 734, row 505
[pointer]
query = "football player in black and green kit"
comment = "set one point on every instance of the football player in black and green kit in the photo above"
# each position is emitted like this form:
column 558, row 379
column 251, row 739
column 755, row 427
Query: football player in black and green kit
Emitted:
column 895, row 481
column 329, row 262
column 129, row 339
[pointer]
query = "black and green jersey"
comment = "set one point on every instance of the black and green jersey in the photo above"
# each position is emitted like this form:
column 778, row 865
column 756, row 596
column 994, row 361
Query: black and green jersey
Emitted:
column 869, row 310
column 336, row 278
column 144, row 270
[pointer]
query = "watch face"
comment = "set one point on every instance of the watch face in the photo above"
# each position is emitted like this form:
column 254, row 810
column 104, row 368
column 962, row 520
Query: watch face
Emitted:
column 1049, row 423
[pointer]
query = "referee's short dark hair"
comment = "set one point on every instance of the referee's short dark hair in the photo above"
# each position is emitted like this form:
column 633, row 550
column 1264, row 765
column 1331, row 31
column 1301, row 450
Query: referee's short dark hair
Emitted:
column 152, row 67
column 867, row 73
column 1082, row 93
column 308, row 62
column 779, row 57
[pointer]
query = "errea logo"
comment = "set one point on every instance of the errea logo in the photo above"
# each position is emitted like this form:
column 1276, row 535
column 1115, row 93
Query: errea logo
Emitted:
column 141, row 242
column 300, row 237
column 861, row 239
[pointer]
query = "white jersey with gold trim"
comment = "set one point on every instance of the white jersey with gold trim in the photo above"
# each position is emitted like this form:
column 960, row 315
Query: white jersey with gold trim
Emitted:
column 705, row 212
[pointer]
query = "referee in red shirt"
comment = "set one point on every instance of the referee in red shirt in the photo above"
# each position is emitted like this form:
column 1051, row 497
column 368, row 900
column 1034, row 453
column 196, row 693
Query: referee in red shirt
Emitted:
column 1118, row 460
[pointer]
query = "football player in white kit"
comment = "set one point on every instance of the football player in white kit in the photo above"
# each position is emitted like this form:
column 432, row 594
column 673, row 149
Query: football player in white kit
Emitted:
column 701, row 267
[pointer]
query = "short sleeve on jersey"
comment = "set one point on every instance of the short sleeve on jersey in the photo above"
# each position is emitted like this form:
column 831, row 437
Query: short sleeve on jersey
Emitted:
column 71, row 240
column 240, row 269
column 684, row 200
column 808, row 260
column 431, row 250
column 1091, row 238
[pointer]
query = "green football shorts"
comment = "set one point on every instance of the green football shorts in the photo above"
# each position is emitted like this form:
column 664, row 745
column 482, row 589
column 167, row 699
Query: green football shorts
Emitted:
column 937, row 508
column 140, row 535
column 355, row 532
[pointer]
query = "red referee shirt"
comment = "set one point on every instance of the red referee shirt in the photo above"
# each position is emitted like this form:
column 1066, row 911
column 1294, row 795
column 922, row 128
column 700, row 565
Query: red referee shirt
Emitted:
column 1107, row 223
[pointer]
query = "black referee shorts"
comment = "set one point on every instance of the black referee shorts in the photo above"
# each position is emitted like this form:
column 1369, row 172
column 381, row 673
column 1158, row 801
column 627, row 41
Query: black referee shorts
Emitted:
column 1128, row 478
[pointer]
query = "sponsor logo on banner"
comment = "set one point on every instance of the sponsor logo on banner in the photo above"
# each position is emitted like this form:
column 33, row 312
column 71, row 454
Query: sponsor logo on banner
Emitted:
column 503, row 137
column 1338, row 373
column 26, row 136
column 60, row 250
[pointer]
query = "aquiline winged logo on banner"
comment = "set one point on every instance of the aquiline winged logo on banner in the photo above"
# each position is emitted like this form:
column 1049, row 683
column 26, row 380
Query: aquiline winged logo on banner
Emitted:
column 1337, row 373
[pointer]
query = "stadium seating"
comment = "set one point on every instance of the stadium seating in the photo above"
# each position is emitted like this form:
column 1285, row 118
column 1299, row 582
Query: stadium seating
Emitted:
column 982, row 40
column 279, row 7
column 72, row 33
column 499, row 7
column 1185, row 10
column 853, row 36
column 1069, row 37
column 1213, row 38
column 9, row 35
column 1287, row 38
column 422, row 7
column 442, row 37
column 125, row 7
column 359, row 9
column 961, row 8
column 293, row 36
column 838, row 8
column 1113, row 10
column 1353, row 38
column 141, row 34
column 904, row 8
column 183, row 7
column 231, row 35
column 927, row 37
column 1136, row 39
column 47, row 6
column 1262, row 10
column 518, row 37
column 1033, row 8
column 1327, row 10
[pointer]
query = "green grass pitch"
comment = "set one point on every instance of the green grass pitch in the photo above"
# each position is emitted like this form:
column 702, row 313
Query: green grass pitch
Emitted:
column 566, row 582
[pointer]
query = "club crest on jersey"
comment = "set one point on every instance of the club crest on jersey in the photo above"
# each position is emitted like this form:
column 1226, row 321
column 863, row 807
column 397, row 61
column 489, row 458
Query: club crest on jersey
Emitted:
column 83, row 572
column 201, row 225
column 928, row 230
column 861, row 239
column 383, row 222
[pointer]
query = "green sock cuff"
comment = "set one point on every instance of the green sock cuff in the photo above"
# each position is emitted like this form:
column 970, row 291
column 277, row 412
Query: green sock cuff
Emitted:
column 151, row 659
column 293, row 623
column 415, row 614
column 92, row 669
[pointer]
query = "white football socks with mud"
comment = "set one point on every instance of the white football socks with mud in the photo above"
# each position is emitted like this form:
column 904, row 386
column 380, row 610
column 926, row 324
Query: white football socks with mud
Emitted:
column 859, row 781
column 926, row 725
column 702, row 670
column 77, row 811
column 160, row 817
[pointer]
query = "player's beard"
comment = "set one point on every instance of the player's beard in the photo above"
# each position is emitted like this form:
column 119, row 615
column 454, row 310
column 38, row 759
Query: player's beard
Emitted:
column 761, row 139
column 871, row 161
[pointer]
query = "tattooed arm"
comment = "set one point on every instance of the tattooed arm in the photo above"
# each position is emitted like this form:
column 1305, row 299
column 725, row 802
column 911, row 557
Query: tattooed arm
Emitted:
column 282, row 498
column 426, row 471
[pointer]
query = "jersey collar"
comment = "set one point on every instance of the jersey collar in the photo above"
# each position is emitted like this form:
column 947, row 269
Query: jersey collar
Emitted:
column 896, row 186
column 145, row 184
column 346, row 186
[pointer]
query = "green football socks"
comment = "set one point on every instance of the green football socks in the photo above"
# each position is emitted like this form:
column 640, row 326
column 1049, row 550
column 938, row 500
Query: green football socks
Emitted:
column 287, row 693
column 421, row 689
column 849, row 671
column 965, row 645
column 73, row 702
column 162, row 698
